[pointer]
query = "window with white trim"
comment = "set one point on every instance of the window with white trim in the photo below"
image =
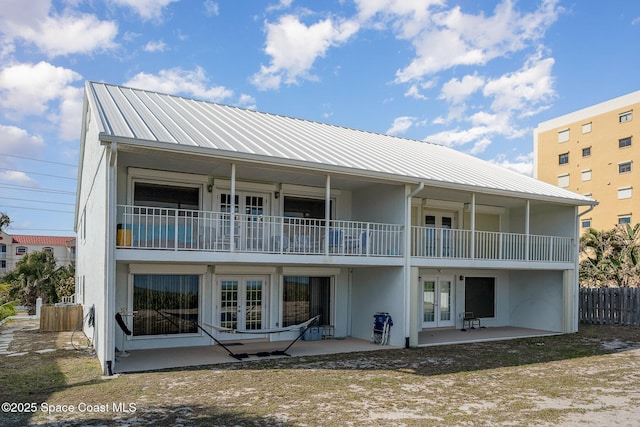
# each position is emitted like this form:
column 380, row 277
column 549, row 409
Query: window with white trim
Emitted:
column 563, row 180
column 21, row 250
column 586, row 151
column 586, row 127
column 586, row 223
column 624, row 142
column 624, row 193
column 624, row 167
column 47, row 249
column 624, row 219
column 563, row 135
column 625, row 117
column 563, row 158
column 586, row 175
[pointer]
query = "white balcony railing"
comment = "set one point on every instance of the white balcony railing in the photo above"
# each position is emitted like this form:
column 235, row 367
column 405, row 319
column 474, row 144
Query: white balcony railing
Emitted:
column 428, row 242
column 179, row 229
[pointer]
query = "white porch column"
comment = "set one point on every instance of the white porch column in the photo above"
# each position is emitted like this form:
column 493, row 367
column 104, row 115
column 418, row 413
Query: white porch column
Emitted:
column 526, row 230
column 472, row 249
column 232, row 210
column 327, row 213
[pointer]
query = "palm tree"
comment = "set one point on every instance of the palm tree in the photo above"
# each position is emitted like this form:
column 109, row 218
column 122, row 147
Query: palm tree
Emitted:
column 4, row 221
column 34, row 276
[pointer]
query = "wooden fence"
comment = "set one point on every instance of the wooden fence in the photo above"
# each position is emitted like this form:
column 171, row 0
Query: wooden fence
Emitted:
column 619, row 306
column 60, row 318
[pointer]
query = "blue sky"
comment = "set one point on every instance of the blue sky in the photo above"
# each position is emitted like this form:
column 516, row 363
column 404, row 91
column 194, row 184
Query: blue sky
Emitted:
column 477, row 76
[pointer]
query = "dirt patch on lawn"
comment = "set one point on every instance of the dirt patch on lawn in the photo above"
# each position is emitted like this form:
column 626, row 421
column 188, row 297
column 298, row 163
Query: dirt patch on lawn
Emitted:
column 588, row 378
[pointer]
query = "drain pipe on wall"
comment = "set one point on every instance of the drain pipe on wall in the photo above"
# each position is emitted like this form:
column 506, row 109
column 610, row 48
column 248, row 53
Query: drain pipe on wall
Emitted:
column 407, row 266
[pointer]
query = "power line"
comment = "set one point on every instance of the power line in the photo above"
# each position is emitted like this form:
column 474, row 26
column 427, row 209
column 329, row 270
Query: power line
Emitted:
column 38, row 173
column 37, row 229
column 36, row 209
column 43, row 190
column 38, row 160
column 38, row 201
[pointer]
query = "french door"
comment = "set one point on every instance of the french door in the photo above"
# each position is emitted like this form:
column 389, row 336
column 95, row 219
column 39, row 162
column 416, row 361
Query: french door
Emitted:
column 249, row 232
column 437, row 302
column 242, row 303
column 438, row 233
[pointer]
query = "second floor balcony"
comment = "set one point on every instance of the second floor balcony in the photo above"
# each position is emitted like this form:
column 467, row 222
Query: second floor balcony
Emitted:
column 141, row 227
column 152, row 228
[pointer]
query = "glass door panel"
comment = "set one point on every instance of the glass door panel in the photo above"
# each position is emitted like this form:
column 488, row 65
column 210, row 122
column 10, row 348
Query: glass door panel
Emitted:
column 229, row 304
column 437, row 302
column 242, row 303
column 428, row 301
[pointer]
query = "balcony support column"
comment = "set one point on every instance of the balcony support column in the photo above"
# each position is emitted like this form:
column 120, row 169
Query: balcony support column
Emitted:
column 327, row 213
column 232, row 210
column 526, row 230
column 472, row 243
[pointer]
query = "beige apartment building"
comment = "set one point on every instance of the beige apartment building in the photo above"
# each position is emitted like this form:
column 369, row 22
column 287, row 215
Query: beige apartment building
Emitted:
column 592, row 152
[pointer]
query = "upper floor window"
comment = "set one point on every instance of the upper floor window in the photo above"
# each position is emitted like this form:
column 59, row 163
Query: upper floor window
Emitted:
column 624, row 193
column 3, row 251
column 563, row 135
column 586, row 152
column 21, row 250
column 586, row 223
column 563, row 181
column 624, row 167
column 586, row 128
column 586, row 175
column 625, row 117
column 47, row 249
column 166, row 196
column 624, row 142
column 563, row 159
column 624, row 219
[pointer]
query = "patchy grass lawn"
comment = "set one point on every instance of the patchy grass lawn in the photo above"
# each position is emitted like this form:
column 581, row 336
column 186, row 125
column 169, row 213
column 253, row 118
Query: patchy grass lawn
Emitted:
column 592, row 377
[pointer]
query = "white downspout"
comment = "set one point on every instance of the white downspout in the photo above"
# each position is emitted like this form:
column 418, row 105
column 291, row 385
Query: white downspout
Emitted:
column 526, row 230
column 472, row 250
column 407, row 266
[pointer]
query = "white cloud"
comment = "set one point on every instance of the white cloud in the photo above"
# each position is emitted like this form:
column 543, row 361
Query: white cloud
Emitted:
column 247, row 101
column 54, row 34
column 522, row 164
column 211, row 8
column 294, row 47
column 179, row 81
column 18, row 177
column 456, row 91
column 155, row 46
column 480, row 146
column 17, row 141
column 149, row 10
column 445, row 38
column 69, row 115
column 524, row 89
column 28, row 89
column 401, row 125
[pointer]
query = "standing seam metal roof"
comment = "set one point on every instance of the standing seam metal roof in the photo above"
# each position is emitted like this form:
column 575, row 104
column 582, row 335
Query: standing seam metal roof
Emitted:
column 149, row 116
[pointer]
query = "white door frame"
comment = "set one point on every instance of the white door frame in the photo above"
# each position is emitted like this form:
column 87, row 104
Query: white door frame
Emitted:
column 241, row 299
column 441, row 316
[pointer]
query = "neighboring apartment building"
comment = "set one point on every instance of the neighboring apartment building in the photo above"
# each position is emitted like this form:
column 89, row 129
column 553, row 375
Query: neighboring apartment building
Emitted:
column 210, row 214
column 14, row 246
column 593, row 152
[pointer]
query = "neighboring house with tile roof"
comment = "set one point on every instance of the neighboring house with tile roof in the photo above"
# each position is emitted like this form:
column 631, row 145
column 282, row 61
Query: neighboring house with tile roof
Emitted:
column 14, row 246
column 254, row 221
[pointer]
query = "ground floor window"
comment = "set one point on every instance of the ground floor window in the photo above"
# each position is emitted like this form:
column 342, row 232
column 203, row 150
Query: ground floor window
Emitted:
column 165, row 304
column 306, row 297
column 480, row 296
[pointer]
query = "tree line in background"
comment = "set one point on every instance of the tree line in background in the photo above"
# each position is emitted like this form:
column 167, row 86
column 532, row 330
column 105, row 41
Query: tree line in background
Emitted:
column 35, row 275
column 610, row 258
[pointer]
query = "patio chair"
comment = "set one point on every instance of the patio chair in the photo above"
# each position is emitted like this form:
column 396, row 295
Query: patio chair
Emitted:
column 470, row 320
column 336, row 241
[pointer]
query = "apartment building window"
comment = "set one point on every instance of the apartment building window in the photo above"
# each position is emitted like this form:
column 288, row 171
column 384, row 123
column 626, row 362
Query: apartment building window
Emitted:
column 624, row 167
column 624, row 219
column 624, row 142
column 586, row 175
column 586, row 152
column 21, row 250
column 625, row 117
column 563, row 159
column 563, row 180
column 47, row 249
column 3, row 251
column 624, row 193
column 586, row 223
column 563, row 135
column 586, row 128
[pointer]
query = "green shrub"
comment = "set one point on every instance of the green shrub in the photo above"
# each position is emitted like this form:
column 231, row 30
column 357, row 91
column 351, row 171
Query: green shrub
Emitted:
column 7, row 310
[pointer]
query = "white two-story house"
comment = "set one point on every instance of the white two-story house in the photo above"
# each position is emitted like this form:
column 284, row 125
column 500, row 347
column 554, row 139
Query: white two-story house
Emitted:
column 216, row 215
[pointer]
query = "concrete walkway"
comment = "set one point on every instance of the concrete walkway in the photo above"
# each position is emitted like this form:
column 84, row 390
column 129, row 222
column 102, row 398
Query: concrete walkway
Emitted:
column 11, row 325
